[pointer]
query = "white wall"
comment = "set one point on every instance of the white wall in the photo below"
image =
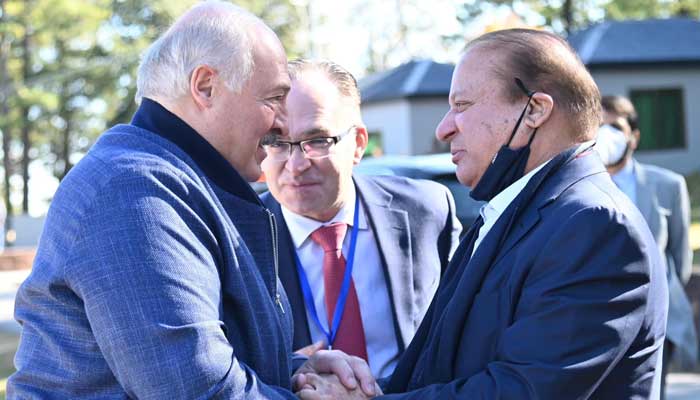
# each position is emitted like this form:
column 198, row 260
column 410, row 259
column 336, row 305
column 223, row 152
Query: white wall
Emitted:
column 393, row 120
column 622, row 82
column 426, row 114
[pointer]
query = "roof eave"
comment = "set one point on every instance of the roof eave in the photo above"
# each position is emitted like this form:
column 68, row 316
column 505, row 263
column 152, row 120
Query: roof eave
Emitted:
column 642, row 65
column 406, row 97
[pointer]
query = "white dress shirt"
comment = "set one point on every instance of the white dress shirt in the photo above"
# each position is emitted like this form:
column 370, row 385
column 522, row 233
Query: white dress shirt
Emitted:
column 493, row 210
column 626, row 181
column 370, row 284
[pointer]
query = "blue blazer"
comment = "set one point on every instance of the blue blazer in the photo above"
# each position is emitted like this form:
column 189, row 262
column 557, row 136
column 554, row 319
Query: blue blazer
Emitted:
column 152, row 279
column 417, row 230
column 570, row 302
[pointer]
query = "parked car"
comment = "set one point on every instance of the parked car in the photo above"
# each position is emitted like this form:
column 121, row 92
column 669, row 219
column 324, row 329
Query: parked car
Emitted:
column 435, row 167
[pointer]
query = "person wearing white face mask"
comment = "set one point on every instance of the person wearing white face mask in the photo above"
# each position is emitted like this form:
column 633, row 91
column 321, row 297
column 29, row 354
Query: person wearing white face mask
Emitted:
column 662, row 197
column 612, row 144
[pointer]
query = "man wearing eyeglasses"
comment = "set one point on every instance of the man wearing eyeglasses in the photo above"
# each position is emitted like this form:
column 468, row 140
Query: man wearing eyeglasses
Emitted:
column 156, row 276
column 557, row 291
column 360, row 256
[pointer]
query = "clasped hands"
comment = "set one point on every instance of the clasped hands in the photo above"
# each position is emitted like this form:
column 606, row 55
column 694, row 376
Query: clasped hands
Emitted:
column 332, row 374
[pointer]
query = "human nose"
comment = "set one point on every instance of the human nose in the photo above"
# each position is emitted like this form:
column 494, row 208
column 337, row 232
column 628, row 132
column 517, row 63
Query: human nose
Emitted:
column 297, row 161
column 446, row 128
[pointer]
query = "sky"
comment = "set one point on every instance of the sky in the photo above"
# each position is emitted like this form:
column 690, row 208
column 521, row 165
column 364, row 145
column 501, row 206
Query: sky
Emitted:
column 344, row 31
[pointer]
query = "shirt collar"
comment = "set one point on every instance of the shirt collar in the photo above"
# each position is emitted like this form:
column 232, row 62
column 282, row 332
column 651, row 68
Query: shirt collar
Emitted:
column 494, row 208
column 627, row 172
column 155, row 118
column 301, row 227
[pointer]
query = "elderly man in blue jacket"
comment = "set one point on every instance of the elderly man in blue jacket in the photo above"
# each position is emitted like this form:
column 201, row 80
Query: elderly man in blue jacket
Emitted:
column 156, row 275
column 557, row 291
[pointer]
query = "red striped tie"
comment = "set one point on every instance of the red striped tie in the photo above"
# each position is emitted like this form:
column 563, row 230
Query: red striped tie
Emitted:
column 351, row 335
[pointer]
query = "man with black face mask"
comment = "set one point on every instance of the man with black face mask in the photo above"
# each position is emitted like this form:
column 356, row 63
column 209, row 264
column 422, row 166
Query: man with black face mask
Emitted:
column 557, row 291
column 662, row 197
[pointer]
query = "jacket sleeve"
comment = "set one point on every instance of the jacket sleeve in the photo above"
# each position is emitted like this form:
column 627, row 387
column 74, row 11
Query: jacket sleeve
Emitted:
column 678, row 226
column 145, row 266
column 578, row 310
column 449, row 237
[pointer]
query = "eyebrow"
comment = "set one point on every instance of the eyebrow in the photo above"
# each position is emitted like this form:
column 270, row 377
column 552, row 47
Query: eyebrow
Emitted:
column 461, row 93
column 315, row 131
column 285, row 88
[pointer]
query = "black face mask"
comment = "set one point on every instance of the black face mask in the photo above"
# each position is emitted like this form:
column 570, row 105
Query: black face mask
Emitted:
column 508, row 165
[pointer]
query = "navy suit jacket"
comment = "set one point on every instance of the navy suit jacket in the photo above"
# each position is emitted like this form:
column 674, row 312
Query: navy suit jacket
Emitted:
column 569, row 303
column 416, row 229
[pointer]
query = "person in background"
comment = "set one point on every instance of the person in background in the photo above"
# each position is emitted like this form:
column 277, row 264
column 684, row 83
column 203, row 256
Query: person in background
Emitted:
column 662, row 197
column 557, row 291
column 392, row 236
column 156, row 273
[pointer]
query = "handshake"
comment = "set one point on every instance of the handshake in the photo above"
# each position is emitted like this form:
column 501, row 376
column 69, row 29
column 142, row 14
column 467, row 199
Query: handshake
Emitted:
column 332, row 374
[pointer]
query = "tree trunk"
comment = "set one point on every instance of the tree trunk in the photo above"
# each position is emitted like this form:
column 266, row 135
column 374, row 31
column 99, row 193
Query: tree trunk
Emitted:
column 567, row 16
column 65, row 138
column 26, row 124
column 5, row 94
column 63, row 148
column 26, row 145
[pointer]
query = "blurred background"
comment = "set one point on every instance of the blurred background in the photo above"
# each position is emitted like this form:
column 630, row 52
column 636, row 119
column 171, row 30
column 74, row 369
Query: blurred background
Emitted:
column 67, row 72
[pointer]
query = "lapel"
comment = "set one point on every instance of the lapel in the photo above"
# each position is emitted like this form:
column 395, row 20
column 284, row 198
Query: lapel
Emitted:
column 391, row 230
column 542, row 189
column 644, row 192
column 288, row 274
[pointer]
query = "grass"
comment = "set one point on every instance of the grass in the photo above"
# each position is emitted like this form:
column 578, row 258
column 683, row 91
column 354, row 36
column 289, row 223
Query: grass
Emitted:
column 693, row 181
column 8, row 344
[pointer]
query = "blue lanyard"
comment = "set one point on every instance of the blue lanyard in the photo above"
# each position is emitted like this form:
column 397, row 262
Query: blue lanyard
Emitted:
column 342, row 297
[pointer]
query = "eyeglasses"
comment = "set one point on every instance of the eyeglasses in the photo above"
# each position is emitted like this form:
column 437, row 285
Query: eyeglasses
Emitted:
column 316, row 148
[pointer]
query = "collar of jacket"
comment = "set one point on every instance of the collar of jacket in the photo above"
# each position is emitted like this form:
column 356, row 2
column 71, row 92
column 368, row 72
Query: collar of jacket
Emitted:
column 153, row 117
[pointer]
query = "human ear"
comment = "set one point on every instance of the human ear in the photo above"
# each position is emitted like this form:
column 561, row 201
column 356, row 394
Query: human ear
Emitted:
column 361, row 139
column 202, row 85
column 541, row 106
column 635, row 139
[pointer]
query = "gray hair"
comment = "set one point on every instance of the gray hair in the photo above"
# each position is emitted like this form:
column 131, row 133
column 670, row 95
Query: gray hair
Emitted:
column 212, row 33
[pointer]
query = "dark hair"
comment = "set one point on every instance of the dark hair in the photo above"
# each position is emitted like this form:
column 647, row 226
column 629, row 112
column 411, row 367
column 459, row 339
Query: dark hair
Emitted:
column 622, row 107
column 545, row 63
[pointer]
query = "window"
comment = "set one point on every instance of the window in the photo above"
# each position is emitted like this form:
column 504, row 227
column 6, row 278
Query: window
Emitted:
column 661, row 118
column 374, row 144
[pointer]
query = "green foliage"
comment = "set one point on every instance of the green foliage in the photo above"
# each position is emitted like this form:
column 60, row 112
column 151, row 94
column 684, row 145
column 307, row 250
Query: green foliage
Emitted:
column 68, row 69
column 693, row 182
column 582, row 12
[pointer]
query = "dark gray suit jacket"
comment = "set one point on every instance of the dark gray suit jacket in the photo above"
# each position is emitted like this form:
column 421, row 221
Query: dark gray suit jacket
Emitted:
column 417, row 231
column 662, row 197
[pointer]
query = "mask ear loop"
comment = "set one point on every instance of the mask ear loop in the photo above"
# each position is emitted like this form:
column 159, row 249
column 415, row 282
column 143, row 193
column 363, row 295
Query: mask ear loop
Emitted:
column 522, row 114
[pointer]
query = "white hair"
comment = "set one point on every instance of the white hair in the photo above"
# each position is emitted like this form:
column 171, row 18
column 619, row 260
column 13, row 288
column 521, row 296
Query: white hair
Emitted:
column 212, row 33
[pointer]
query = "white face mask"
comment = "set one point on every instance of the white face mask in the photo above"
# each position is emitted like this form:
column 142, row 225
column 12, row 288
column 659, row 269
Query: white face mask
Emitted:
column 611, row 144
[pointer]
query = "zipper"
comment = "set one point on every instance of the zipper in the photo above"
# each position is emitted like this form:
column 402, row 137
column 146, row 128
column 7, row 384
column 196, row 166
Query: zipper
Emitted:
column 273, row 228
